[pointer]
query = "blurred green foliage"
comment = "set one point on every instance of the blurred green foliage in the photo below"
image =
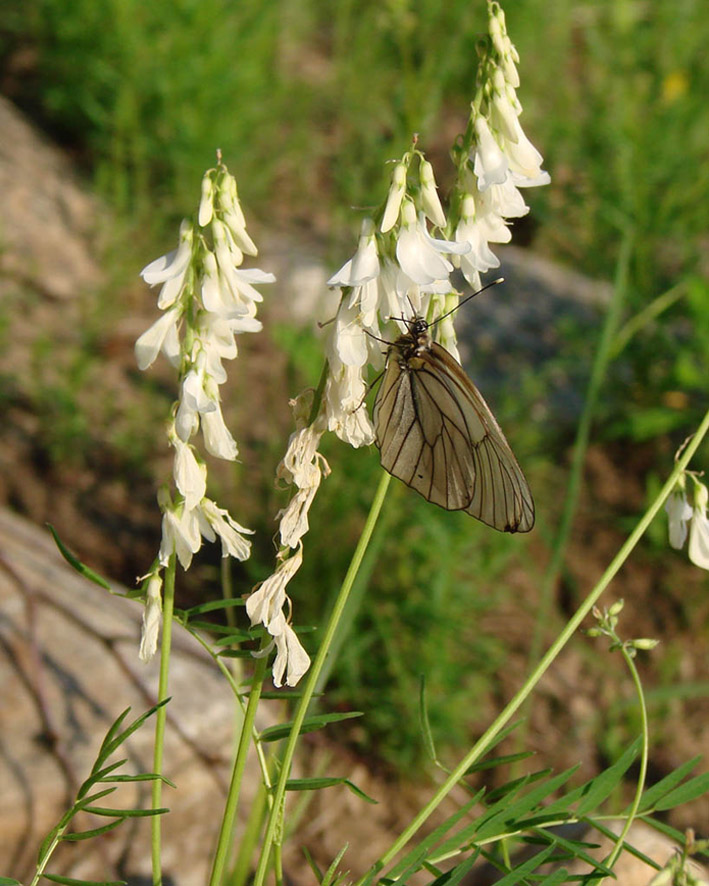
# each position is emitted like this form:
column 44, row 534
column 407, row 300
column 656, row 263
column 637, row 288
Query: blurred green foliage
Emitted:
column 307, row 99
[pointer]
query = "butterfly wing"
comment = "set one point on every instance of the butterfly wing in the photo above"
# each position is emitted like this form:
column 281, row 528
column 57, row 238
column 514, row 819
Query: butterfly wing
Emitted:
column 436, row 433
column 418, row 443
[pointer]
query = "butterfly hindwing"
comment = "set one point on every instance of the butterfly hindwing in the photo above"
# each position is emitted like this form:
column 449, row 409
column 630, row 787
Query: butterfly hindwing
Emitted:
column 437, row 434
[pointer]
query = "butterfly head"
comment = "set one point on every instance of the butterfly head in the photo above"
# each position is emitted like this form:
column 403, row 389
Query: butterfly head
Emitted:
column 418, row 336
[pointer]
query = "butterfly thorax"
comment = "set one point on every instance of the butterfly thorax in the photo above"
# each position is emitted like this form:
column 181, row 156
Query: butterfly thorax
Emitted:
column 413, row 343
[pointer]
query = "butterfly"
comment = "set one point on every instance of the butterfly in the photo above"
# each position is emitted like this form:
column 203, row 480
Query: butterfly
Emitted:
column 435, row 432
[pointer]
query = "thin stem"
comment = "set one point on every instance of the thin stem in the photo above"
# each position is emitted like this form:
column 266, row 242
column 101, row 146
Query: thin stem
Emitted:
column 168, row 606
column 644, row 752
column 219, row 661
column 228, row 590
column 313, row 675
column 482, row 745
column 232, row 800
column 648, row 313
column 598, row 373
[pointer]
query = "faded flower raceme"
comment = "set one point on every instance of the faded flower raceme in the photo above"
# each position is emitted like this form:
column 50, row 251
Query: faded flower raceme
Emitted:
column 207, row 300
column 302, row 467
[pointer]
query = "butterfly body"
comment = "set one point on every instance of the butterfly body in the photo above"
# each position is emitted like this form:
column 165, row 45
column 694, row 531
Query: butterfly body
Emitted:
column 436, row 433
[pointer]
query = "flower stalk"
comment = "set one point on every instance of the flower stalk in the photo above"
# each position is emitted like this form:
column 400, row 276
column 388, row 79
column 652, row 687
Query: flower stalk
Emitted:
column 160, row 721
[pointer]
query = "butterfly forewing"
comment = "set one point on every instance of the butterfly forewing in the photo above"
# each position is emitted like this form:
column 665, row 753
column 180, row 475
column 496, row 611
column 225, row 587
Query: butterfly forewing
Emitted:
column 436, row 433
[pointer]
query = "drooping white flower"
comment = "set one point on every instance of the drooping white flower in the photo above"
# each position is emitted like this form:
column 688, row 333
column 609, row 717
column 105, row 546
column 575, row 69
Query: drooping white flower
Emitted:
column 206, row 203
column 171, row 269
column 525, row 161
column 180, row 535
column 489, row 163
column 173, row 263
column 293, row 519
column 190, row 476
column 364, row 264
column 430, row 200
column 218, row 439
column 193, row 402
column 679, row 513
column 350, row 336
column 684, row 518
column 480, row 257
column 345, row 391
column 215, row 521
column 504, row 108
column 420, row 256
column 268, row 599
column 699, row 527
column 162, row 335
column 233, row 215
column 394, row 199
column 152, row 618
column 291, row 658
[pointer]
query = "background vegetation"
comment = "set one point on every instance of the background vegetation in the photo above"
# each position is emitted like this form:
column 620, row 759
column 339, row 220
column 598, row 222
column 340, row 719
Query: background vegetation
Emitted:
column 307, row 99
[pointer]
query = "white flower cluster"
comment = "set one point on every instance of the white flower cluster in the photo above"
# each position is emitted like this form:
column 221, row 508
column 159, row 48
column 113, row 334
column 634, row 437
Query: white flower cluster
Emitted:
column 207, row 299
column 684, row 518
column 399, row 271
column 499, row 160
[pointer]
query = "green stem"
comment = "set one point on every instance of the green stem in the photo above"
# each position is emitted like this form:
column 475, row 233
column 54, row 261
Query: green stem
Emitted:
column 312, row 678
column 482, row 745
column 168, row 606
column 228, row 590
column 618, row 848
column 240, row 874
column 648, row 313
column 225, row 834
column 219, row 662
column 583, row 433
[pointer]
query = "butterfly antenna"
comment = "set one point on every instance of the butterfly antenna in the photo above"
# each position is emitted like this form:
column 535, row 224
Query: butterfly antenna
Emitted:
column 467, row 299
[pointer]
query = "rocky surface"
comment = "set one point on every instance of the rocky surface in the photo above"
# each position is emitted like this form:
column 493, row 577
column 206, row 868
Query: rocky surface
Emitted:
column 69, row 666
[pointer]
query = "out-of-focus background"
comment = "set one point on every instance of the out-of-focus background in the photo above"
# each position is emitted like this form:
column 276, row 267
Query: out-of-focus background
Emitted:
column 308, row 101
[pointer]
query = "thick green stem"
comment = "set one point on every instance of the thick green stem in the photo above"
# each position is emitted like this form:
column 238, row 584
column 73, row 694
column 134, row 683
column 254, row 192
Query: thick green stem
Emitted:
column 312, row 679
column 481, row 747
column 168, row 606
column 225, row 834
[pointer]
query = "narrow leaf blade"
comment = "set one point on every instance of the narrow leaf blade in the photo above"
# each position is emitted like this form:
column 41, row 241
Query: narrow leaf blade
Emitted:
column 310, row 724
column 76, row 564
column 601, row 787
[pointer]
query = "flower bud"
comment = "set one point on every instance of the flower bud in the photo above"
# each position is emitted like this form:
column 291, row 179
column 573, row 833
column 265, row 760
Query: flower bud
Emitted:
column 645, row 643
column 206, row 204
column 396, row 195
column 429, row 195
column 617, row 607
